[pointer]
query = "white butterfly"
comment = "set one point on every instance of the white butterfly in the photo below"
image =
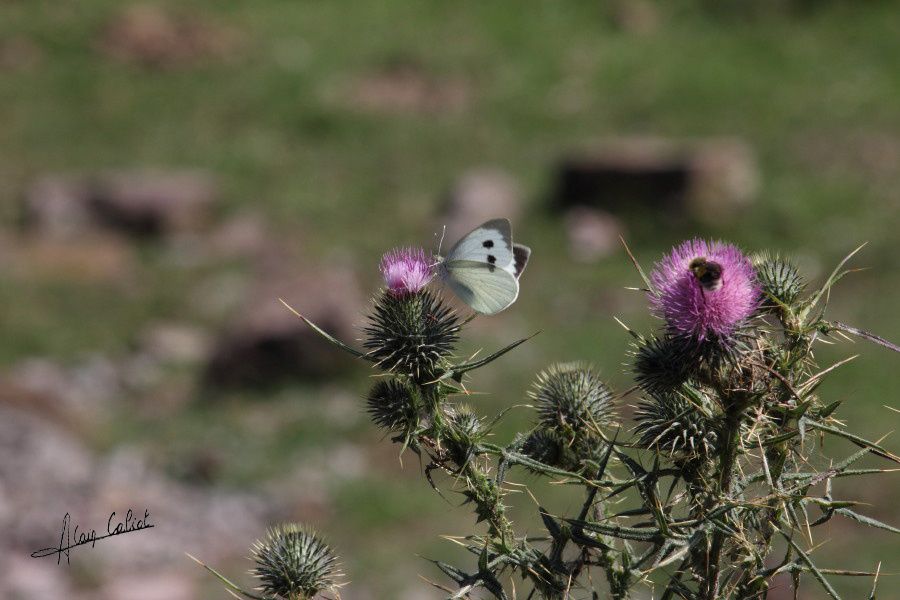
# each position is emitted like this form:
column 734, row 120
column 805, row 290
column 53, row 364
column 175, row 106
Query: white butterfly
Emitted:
column 483, row 267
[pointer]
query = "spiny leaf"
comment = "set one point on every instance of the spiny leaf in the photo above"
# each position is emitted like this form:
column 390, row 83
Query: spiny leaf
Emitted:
column 457, row 371
column 230, row 585
column 866, row 520
column 812, row 567
column 330, row 338
column 866, row 335
column 861, row 442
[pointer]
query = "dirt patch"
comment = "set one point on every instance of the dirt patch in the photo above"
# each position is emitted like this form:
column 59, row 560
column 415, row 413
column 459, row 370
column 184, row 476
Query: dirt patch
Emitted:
column 155, row 37
column 408, row 88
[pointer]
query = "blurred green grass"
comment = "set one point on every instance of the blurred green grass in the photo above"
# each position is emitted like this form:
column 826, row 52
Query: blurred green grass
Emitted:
column 277, row 124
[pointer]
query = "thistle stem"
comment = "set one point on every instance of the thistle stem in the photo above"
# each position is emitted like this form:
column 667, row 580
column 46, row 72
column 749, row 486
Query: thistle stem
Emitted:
column 727, row 460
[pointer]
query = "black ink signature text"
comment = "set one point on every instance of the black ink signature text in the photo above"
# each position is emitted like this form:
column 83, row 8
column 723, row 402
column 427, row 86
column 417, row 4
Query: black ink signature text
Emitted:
column 72, row 537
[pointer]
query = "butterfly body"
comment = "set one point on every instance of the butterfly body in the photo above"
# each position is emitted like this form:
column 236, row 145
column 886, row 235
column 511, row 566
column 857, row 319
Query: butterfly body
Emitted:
column 483, row 267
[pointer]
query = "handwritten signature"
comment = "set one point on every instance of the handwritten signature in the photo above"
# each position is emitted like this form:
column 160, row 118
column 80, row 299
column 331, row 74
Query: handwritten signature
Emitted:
column 72, row 537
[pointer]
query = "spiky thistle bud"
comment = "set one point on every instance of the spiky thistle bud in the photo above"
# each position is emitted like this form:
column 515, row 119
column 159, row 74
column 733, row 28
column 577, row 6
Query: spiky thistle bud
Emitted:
column 780, row 279
column 411, row 334
column 547, row 446
column 571, row 399
column 465, row 429
column 662, row 364
column 393, row 404
column 294, row 563
column 674, row 426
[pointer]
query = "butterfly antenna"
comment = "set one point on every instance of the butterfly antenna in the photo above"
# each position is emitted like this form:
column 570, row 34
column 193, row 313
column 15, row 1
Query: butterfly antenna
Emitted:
column 441, row 242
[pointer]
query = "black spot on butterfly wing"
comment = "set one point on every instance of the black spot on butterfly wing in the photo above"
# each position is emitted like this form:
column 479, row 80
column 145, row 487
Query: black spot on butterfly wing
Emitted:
column 492, row 259
column 488, row 243
column 521, row 254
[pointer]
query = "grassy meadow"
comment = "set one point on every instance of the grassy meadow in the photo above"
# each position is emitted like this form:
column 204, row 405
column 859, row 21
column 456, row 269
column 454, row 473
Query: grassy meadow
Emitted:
column 278, row 115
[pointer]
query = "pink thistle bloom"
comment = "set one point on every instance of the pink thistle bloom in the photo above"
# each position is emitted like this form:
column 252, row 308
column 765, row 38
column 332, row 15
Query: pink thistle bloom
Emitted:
column 704, row 289
column 406, row 270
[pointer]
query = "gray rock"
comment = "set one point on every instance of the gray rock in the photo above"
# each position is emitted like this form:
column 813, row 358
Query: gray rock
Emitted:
column 709, row 180
column 154, row 202
column 593, row 234
column 477, row 196
column 140, row 202
column 267, row 343
column 175, row 343
column 57, row 205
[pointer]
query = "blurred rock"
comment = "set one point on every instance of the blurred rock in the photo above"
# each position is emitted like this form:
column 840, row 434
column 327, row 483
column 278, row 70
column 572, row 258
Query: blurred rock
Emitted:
column 46, row 472
column 90, row 258
column 141, row 202
column 710, row 180
column 150, row 586
column 154, row 202
column 71, row 395
column 241, row 236
column 268, row 344
column 724, row 180
column 152, row 36
column 477, row 196
column 175, row 343
column 19, row 53
column 24, row 578
column 639, row 17
column 58, row 206
column 593, row 234
column 405, row 87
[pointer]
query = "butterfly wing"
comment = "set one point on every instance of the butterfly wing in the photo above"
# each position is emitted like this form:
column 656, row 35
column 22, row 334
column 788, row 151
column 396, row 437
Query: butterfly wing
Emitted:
column 489, row 243
column 482, row 286
column 521, row 254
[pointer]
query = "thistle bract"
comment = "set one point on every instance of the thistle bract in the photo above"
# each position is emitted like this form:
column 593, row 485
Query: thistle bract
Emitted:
column 779, row 279
column 672, row 425
column 294, row 563
column 663, row 363
column 691, row 305
column 393, row 404
column 410, row 334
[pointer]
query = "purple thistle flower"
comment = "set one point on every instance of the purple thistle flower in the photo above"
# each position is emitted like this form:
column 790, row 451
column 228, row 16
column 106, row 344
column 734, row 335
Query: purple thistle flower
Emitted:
column 704, row 289
column 406, row 270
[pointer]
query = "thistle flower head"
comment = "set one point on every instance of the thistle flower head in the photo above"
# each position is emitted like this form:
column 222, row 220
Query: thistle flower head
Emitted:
column 704, row 289
column 406, row 270
column 572, row 398
column 294, row 563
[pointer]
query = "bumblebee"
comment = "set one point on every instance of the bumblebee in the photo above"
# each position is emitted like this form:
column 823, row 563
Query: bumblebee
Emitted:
column 707, row 273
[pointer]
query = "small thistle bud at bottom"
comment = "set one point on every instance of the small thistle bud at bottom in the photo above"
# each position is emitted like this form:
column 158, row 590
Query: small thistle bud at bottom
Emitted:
column 571, row 398
column 780, row 280
column 294, row 563
column 411, row 333
column 393, row 404
column 670, row 424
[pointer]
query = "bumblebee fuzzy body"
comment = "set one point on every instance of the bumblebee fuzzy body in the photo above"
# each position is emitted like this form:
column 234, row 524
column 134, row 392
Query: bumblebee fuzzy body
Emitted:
column 707, row 273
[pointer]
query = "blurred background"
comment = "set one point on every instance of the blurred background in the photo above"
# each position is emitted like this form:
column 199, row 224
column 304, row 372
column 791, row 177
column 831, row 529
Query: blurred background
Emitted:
column 167, row 170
